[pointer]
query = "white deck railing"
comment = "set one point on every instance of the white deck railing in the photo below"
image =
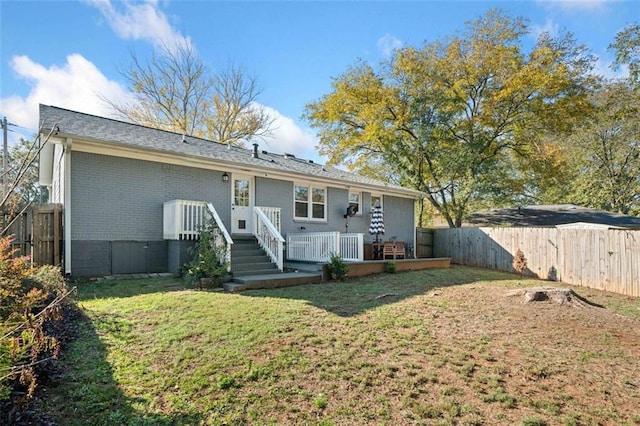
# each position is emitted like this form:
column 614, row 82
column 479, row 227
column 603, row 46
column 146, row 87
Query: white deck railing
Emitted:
column 352, row 247
column 183, row 220
column 268, row 233
column 319, row 246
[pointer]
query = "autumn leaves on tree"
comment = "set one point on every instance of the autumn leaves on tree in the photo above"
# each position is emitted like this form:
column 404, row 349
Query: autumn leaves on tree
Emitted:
column 474, row 120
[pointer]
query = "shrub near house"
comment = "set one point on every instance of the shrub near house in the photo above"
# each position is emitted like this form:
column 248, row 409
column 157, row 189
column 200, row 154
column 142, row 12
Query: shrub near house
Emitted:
column 32, row 300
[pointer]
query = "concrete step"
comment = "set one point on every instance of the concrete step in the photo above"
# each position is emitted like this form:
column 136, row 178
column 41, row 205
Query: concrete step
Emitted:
column 253, row 266
column 285, row 279
column 247, row 252
column 271, row 271
column 235, row 260
column 243, row 239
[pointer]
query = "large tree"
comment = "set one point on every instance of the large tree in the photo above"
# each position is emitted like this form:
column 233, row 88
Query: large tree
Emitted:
column 176, row 91
column 627, row 49
column 605, row 149
column 451, row 118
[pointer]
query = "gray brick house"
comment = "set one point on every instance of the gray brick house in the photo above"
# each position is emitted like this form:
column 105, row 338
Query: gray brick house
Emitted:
column 133, row 197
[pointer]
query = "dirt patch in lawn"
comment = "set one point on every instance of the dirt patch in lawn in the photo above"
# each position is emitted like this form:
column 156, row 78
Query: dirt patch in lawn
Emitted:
column 588, row 356
column 469, row 354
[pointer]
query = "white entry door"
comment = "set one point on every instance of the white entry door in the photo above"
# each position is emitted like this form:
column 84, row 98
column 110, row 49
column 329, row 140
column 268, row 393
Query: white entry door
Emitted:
column 242, row 205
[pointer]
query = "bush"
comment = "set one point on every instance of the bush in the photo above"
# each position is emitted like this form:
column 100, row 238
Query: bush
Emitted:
column 519, row 262
column 209, row 260
column 31, row 300
column 391, row 267
column 337, row 268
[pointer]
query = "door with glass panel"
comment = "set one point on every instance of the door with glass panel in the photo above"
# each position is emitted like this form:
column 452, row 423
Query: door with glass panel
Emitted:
column 242, row 205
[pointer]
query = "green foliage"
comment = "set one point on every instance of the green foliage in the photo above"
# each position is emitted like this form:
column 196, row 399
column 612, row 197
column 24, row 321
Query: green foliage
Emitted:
column 337, row 268
column 627, row 50
column 452, row 118
column 320, row 402
column 209, row 259
column 605, row 152
column 29, row 298
column 533, row 421
column 391, row 267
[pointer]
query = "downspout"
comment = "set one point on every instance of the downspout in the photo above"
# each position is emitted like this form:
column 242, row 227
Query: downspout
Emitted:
column 67, row 206
column 415, row 225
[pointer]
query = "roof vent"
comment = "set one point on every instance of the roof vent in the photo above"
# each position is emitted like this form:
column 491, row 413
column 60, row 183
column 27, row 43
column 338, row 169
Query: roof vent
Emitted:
column 286, row 155
column 184, row 140
column 255, row 150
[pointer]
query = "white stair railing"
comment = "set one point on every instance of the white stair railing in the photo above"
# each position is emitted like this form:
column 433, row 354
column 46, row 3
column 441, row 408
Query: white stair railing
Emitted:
column 273, row 213
column 268, row 235
column 223, row 231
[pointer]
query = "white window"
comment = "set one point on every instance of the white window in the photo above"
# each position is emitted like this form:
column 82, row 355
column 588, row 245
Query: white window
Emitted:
column 376, row 198
column 354, row 202
column 309, row 202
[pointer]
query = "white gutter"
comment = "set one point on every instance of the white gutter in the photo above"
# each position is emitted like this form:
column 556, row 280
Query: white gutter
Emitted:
column 95, row 146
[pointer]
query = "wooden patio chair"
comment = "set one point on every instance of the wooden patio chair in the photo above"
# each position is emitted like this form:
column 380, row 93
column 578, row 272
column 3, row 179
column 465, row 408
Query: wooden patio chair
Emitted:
column 393, row 250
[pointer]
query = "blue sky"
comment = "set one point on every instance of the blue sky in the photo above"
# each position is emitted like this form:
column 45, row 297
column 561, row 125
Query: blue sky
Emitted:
column 69, row 53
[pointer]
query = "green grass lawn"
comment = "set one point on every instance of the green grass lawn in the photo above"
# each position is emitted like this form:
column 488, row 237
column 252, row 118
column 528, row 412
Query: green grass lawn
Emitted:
column 427, row 347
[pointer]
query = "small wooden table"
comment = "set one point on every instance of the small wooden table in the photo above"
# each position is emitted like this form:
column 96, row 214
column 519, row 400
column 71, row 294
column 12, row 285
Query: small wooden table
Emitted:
column 377, row 249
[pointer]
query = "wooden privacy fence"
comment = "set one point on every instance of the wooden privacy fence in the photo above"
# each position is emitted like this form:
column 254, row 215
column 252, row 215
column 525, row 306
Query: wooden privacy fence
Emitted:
column 424, row 242
column 38, row 233
column 604, row 259
column 20, row 230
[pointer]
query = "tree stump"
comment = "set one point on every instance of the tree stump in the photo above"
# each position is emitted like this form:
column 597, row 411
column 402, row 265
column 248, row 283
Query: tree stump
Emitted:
column 561, row 296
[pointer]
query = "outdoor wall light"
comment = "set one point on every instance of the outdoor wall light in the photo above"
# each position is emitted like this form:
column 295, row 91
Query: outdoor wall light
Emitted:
column 225, row 177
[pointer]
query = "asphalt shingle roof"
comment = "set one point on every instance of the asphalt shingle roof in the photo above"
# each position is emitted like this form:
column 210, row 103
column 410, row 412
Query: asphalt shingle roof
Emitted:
column 114, row 132
column 550, row 215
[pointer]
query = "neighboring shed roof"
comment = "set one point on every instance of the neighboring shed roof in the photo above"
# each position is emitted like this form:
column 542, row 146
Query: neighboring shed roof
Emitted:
column 114, row 132
column 549, row 216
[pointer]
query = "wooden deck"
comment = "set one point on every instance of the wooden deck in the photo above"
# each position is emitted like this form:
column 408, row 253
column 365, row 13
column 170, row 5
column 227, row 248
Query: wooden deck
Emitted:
column 372, row 267
column 310, row 273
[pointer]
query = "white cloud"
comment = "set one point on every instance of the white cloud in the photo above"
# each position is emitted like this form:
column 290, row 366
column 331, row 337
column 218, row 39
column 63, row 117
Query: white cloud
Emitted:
column 140, row 21
column 576, row 5
column 288, row 137
column 549, row 27
column 387, row 44
column 76, row 85
column 604, row 68
column 80, row 86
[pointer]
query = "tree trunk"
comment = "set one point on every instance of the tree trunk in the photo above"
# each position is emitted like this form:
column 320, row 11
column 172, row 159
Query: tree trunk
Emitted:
column 561, row 296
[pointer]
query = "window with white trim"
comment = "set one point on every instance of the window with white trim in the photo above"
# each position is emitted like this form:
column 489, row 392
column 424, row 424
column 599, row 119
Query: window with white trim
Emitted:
column 375, row 198
column 355, row 201
column 309, row 202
